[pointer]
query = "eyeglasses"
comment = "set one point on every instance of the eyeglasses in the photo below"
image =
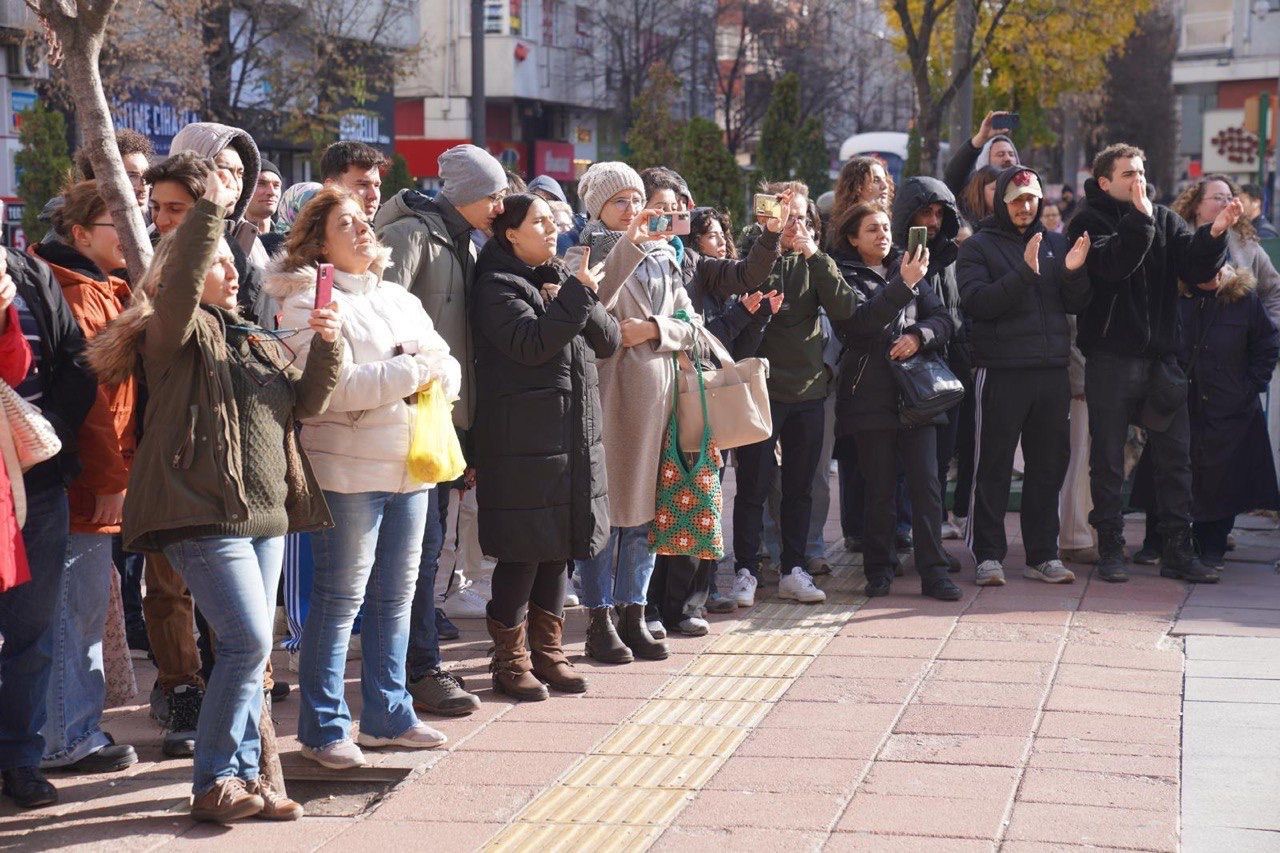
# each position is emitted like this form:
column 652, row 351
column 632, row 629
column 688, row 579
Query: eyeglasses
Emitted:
column 497, row 197
column 1223, row 199
column 102, row 225
column 628, row 203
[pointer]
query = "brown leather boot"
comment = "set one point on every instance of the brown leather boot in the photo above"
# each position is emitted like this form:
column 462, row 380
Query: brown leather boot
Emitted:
column 546, row 631
column 511, row 667
column 635, row 633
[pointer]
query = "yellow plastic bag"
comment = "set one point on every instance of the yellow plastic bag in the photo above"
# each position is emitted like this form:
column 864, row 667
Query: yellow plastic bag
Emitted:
column 434, row 453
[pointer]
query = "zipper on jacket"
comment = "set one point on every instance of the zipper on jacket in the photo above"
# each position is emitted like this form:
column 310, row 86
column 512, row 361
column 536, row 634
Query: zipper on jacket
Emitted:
column 1106, row 327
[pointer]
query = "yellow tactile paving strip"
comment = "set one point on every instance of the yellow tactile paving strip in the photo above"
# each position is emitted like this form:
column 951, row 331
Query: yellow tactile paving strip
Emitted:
column 636, row 781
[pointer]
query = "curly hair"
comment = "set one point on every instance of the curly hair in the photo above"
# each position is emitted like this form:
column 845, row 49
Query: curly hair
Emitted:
column 700, row 224
column 1189, row 199
column 853, row 179
column 128, row 142
column 304, row 247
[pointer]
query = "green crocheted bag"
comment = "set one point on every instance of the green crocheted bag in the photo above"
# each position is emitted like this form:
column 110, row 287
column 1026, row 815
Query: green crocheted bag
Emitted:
column 690, row 502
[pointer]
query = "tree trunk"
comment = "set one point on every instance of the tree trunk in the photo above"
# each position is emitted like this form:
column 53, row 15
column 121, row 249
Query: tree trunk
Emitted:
column 80, row 65
column 931, row 117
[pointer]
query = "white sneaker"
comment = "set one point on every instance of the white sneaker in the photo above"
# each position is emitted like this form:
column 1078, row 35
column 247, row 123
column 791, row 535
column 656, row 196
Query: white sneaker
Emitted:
column 950, row 531
column 990, row 573
column 295, row 658
column 1050, row 571
column 962, row 524
column 571, row 599
column 744, row 588
column 467, row 604
column 656, row 629
column 694, row 626
column 418, row 736
column 339, row 755
column 798, row 585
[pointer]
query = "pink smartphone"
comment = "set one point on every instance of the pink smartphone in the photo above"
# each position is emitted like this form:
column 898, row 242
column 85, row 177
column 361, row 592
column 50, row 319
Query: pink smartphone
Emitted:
column 324, row 285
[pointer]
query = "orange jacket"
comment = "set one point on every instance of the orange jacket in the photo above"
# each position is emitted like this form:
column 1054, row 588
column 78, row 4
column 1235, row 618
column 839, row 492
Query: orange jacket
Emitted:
column 108, row 437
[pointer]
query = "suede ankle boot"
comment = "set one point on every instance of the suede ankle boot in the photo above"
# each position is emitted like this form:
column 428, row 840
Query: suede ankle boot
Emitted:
column 511, row 667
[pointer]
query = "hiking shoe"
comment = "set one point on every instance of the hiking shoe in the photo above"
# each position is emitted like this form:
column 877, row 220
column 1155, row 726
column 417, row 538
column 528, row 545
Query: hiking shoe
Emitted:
column 990, row 573
column 1111, row 559
column 445, row 629
column 1050, row 571
column 417, row 736
column 180, row 727
column 718, row 602
column 1146, row 556
column 226, row 801
column 339, row 755
column 693, row 626
column 818, row 566
column 276, row 806
column 440, row 692
column 798, row 586
column 1179, row 559
column 744, row 588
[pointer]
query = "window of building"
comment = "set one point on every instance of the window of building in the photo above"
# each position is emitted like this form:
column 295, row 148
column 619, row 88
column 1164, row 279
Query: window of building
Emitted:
column 1206, row 26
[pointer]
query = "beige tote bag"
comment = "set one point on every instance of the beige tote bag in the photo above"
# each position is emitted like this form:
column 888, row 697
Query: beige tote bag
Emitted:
column 737, row 400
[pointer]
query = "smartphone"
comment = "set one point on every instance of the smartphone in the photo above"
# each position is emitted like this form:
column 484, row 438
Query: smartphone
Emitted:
column 660, row 224
column 681, row 221
column 324, row 285
column 917, row 237
column 1008, row 121
column 576, row 258
column 769, row 206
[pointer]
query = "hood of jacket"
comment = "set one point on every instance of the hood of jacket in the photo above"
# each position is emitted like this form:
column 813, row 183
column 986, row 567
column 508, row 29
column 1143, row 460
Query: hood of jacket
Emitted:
column 412, row 204
column 68, row 259
column 280, row 283
column 1000, row 220
column 208, row 138
column 922, row 191
column 984, row 156
column 1102, row 202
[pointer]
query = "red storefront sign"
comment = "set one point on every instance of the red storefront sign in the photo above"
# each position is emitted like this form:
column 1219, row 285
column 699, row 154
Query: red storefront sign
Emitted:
column 422, row 155
column 554, row 159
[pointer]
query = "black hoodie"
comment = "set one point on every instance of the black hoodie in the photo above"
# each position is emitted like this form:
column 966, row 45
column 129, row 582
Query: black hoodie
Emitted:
column 914, row 194
column 1134, row 267
column 1018, row 319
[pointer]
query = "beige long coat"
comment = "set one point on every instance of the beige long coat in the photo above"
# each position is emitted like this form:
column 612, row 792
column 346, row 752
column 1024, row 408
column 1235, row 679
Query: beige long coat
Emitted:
column 636, row 383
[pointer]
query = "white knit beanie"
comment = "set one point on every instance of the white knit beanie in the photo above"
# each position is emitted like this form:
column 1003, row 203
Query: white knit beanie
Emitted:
column 603, row 181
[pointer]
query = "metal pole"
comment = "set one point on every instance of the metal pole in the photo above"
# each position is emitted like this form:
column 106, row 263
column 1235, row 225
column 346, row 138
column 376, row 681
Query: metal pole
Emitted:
column 1264, row 127
column 962, row 106
column 477, row 73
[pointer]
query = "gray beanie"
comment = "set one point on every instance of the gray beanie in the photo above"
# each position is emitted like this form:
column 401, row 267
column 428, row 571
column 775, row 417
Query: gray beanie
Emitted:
column 603, row 181
column 469, row 174
column 548, row 184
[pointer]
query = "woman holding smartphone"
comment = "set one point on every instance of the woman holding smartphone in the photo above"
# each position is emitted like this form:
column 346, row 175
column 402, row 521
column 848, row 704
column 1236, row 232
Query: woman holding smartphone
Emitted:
column 360, row 448
column 219, row 478
column 541, row 482
column 899, row 315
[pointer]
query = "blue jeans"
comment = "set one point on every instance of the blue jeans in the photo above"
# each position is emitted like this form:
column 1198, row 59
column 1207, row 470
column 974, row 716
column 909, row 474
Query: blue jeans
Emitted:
column 370, row 556
column 619, row 574
column 26, row 615
column 233, row 581
column 78, row 686
column 424, row 638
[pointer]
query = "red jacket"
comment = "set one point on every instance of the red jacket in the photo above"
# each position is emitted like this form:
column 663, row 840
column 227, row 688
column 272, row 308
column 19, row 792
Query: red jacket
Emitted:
column 15, row 362
column 108, row 437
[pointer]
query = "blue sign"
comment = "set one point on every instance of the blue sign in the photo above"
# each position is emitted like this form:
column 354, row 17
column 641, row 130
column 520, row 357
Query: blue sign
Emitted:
column 158, row 121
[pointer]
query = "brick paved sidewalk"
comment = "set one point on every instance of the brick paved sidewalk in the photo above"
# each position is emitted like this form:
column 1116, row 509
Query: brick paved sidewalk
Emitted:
column 1028, row 717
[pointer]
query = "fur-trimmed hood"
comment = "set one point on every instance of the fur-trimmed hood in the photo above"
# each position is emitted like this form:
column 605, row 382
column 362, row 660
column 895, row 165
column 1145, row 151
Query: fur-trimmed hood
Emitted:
column 280, row 283
column 112, row 354
column 1237, row 282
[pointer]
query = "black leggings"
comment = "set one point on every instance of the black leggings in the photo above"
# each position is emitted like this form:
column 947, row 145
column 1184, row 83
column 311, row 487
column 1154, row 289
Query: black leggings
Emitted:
column 515, row 585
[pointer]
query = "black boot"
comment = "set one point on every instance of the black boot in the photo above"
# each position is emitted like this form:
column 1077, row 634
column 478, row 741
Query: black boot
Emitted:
column 603, row 642
column 935, row 583
column 28, row 788
column 1178, row 560
column 635, row 633
column 878, row 585
column 1111, row 561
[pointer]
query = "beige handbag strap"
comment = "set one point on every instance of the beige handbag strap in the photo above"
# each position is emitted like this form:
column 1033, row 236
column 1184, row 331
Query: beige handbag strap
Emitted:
column 713, row 343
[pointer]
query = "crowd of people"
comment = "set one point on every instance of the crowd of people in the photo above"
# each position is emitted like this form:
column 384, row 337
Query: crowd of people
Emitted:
column 231, row 432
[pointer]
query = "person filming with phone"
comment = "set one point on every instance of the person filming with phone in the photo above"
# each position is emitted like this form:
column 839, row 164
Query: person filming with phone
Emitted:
column 899, row 315
column 1018, row 283
column 359, row 449
column 992, row 140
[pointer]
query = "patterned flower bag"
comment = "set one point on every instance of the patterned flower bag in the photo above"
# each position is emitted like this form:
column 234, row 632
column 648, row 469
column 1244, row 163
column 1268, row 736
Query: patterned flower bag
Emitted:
column 689, row 497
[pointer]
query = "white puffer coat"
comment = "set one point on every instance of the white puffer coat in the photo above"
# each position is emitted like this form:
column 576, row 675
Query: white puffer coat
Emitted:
column 361, row 443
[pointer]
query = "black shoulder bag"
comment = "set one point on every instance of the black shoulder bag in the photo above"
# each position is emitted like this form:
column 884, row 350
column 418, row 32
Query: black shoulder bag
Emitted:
column 926, row 385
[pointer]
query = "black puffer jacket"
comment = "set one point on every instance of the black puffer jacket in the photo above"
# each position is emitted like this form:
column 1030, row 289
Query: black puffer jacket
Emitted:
column 1018, row 319
column 715, row 285
column 1134, row 267
column 540, row 474
column 914, row 194
column 873, row 403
